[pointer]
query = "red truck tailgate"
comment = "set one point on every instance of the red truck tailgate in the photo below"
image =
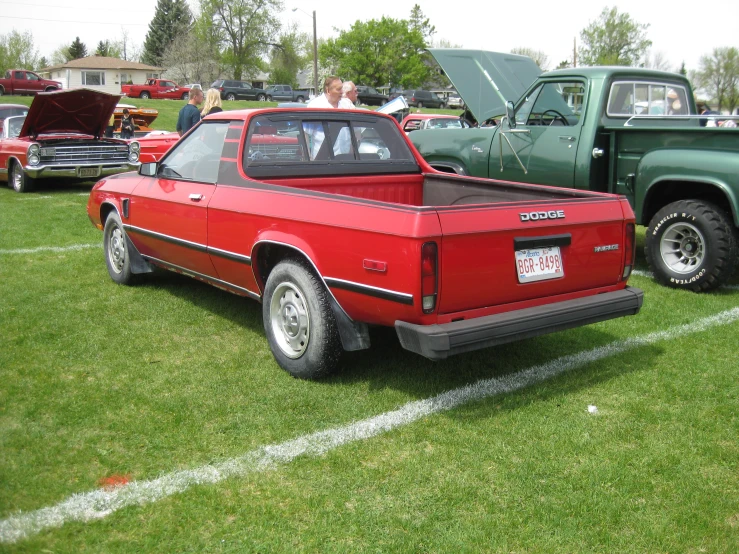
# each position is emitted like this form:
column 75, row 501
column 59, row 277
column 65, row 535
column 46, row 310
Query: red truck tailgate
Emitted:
column 564, row 246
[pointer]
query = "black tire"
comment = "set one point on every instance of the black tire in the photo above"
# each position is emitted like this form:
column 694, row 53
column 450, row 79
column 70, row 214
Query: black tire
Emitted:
column 261, row 97
column 301, row 99
column 691, row 245
column 230, row 97
column 298, row 321
column 144, row 95
column 116, row 251
column 2, row 91
column 442, row 106
column 185, row 96
column 19, row 181
column 269, row 99
column 419, row 105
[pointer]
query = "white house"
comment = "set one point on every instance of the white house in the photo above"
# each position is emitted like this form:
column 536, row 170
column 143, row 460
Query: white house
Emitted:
column 100, row 73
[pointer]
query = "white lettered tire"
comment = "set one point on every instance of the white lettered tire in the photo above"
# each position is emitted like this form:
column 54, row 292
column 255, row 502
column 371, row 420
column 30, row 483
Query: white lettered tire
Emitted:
column 300, row 326
column 691, row 244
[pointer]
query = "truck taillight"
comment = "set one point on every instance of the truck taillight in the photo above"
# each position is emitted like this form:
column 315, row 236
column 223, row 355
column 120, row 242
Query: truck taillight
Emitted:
column 429, row 277
column 629, row 251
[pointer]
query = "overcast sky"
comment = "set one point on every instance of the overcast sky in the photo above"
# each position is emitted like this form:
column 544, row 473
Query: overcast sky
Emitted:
column 676, row 32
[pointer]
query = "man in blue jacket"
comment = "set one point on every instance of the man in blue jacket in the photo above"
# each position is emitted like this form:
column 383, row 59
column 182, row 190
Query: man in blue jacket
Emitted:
column 190, row 114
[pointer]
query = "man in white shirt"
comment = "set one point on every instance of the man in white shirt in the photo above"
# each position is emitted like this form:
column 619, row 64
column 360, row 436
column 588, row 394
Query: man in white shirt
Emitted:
column 331, row 97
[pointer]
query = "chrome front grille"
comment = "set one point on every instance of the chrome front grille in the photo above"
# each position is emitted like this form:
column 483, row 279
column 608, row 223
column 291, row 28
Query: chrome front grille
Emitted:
column 84, row 154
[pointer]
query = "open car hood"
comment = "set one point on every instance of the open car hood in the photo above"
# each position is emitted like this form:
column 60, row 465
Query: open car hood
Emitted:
column 82, row 111
column 486, row 80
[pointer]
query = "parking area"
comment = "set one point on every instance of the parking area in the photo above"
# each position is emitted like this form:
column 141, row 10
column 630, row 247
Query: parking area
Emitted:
column 156, row 415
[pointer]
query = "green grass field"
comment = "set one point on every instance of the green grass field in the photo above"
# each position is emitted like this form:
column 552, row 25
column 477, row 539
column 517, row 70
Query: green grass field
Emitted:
column 171, row 386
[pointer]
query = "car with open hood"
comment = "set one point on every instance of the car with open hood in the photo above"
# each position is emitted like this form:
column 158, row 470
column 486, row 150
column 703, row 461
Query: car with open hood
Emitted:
column 61, row 137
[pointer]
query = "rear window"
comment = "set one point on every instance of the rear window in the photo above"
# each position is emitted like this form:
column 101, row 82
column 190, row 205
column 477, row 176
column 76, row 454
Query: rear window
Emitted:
column 643, row 98
column 309, row 145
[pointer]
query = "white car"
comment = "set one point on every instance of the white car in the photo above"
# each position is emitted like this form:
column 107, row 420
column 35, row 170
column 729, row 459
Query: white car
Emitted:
column 454, row 101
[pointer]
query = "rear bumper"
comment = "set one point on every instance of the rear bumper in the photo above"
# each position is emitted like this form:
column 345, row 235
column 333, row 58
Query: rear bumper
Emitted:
column 437, row 342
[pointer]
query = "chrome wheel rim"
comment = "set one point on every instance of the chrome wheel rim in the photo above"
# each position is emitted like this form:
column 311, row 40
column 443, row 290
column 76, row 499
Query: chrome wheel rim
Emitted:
column 290, row 320
column 117, row 249
column 682, row 248
column 17, row 178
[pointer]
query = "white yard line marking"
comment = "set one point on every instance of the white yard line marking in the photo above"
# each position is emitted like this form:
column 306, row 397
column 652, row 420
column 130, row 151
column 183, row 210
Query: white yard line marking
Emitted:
column 51, row 249
column 101, row 503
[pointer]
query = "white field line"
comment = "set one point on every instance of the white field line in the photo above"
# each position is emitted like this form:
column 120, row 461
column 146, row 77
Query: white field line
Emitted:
column 51, row 248
column 98, row 504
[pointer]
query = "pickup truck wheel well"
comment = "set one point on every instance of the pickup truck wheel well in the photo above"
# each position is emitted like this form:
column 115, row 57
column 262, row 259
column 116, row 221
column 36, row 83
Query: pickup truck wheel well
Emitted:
column 667, row 192
column 354, row 334
column 50, row 89
column 2, row 90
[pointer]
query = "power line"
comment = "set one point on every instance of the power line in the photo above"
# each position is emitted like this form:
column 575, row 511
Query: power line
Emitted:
column 76, row 21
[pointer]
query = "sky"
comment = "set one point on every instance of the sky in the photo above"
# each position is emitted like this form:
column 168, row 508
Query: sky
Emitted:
column 678, row 34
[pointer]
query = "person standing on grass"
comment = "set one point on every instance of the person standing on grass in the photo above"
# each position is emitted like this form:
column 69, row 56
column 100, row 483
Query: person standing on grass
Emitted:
column 189, row 114
column 212, row 102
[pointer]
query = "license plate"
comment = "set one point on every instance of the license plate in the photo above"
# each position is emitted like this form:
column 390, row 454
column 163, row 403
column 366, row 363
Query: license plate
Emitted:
column 538, row 264
column 88, row 171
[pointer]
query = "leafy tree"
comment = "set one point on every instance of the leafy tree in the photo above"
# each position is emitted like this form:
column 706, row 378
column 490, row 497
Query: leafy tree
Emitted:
column 171, row 18
column 246, row 29
column 289, row 57
column 657, row 61
column 17, row 51
column 77, row 50
column 418, row 22
column 718, row 76
column 377, row 53
column 613, row 39
column 188, row 62
column 539, row 57
column 60, row 56
column 108, row 49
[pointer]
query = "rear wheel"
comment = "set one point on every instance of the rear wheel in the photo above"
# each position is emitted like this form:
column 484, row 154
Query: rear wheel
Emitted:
column 20, row 181
column 301, row 99
column 298, row 321
column 419, row 105
column 691, row 245
column 145, row 95
column 261, row 97
column 117, row 258
column 269, row 99
column 230, row 97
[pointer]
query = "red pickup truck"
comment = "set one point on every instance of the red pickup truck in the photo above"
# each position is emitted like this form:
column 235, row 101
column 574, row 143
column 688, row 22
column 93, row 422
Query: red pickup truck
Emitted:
column 156, row 88
column 333, row 221
column 20, row 82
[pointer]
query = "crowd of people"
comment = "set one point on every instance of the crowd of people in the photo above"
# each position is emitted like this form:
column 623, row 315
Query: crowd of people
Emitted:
column 336, row 94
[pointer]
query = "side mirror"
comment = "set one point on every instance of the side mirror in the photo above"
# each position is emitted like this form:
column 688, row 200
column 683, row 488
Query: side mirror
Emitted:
column 148, row 169
column 510, row 114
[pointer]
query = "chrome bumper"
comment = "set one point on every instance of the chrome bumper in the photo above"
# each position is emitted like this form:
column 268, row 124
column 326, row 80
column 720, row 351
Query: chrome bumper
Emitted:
column 51, row 171
column 437, row 342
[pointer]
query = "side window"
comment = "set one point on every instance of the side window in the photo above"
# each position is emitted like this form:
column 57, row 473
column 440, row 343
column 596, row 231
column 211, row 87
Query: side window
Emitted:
column 555, row 105
column 197, row 157
column 269, row 141
column 20, row 75
column 32, row 76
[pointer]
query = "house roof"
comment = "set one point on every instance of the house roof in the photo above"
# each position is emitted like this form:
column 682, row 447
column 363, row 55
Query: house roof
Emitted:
column 101, row 62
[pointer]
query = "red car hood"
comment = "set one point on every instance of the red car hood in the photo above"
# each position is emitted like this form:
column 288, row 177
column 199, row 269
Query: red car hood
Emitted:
column 82, row 111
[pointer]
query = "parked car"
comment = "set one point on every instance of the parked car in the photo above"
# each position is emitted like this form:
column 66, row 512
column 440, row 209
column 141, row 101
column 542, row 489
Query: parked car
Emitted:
column 332, row 221
column 454, row 101
column 142, row 119
column 370, row 96
column 238, row 90
column 60, row 137
column 156, row 88
column 21, row 82
column 418, row 121
column 423, row 98
column 286, row 93
column 581, row 127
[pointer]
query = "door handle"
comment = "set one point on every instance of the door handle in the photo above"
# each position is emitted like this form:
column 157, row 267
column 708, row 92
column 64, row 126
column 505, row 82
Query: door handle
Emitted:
column 566, row 138
column 196, row 197
column 598, row 152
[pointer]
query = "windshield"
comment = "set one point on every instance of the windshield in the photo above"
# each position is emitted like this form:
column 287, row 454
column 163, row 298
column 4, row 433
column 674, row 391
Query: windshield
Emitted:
column 13, row 125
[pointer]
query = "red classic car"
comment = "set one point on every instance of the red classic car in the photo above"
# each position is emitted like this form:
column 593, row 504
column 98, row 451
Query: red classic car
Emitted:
column 333, row 221
column 61, row 137
column 156, row 88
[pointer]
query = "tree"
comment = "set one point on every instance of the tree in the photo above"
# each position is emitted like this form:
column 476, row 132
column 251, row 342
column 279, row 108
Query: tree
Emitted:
column 77, row 50
column 17, row 51
column 444, row 43
column 171, row 18
column 657, row 61
column 60, row 56
column 539, row 57
column 419, row 23
column 187, row 61
column 377, row 53
column 613, row 39
column 718, row 76
column 682, row 71
column 246, row 30
column 109, row 49
column 290, row 56
column 42, row 63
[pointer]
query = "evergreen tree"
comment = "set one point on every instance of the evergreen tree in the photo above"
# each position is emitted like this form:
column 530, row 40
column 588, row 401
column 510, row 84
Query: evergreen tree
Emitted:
column 77, row 50
column 103, row 48
column 171, row 18
column 683, row 71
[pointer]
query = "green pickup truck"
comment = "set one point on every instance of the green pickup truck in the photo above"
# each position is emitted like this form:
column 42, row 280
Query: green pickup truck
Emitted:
column 623, row 130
